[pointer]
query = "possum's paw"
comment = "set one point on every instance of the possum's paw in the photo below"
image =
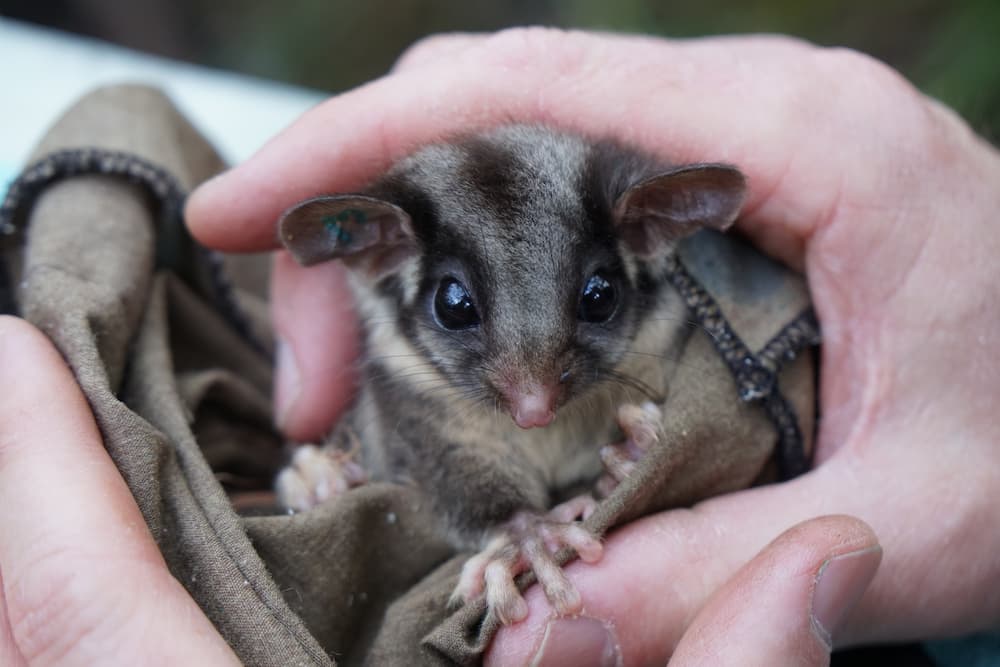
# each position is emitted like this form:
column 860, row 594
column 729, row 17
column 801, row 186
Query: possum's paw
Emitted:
column 316, row 475
column 530, row 540
column 642, row 425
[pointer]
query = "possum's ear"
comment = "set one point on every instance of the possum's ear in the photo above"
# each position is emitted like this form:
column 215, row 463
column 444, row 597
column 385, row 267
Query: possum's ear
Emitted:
column 370, row 235
column 655, row 213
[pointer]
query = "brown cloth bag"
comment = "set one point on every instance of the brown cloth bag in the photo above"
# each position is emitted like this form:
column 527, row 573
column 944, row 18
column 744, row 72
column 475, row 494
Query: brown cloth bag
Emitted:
column 182, row 399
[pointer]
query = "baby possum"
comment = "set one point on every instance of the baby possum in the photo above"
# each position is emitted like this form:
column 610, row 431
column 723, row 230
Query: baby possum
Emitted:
column 517, row 319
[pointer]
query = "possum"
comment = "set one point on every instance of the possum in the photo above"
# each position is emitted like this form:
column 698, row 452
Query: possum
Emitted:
column 519, row 335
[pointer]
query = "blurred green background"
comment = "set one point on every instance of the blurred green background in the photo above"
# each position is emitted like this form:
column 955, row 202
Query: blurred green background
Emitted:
column 951, row 50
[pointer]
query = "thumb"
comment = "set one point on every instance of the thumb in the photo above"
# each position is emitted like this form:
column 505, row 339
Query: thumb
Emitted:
column 785, row 605
column 82, row 580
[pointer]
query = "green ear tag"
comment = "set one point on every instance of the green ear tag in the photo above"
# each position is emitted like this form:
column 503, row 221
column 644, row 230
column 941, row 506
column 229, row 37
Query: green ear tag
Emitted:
column 335, row 229
column 341, row 227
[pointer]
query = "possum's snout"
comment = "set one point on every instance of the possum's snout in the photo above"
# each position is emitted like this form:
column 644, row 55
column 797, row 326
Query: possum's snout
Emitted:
column 531, row 401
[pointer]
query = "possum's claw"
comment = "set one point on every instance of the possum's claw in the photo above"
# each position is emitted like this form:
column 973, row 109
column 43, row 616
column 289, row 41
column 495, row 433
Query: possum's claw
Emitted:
column 316, row 475
column 642, row 425
column 530, row 540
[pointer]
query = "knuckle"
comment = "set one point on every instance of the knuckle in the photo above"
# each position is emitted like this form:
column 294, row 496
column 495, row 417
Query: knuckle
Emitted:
column 511, row 48
column 423, row 50
column 894, row 129
column 868, row 90
column 527, row 48
column 522, row 38
column 847, row 63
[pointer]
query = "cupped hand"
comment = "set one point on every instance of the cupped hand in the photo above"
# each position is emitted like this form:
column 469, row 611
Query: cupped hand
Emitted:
column 81, row 580
column 882, row 196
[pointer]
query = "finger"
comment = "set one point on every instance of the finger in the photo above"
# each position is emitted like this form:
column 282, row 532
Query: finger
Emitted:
column 317, row 331
column 531, row 76
column 686, row 101
column 74, row 549
column 784, row 607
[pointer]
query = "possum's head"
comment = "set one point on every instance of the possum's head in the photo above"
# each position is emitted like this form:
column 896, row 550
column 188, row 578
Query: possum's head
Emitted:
column 517, row 261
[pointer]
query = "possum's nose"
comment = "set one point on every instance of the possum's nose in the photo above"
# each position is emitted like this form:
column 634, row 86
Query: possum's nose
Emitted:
column 531, row 404
column 535, row 407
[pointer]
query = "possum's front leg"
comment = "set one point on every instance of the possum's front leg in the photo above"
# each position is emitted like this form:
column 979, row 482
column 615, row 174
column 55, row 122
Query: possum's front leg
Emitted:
column 316, row 475
column 530, row 540
column 496, row 501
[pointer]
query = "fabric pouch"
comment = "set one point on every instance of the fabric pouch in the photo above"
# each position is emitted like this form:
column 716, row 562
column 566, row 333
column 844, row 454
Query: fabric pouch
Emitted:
column 174, row 363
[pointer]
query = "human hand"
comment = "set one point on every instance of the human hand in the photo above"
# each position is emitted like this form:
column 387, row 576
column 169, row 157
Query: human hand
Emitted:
column 882, row 196
column 780, row 608
column 81, row 580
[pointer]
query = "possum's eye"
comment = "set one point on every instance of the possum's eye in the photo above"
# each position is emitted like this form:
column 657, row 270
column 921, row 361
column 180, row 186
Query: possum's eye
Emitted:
column 453, row 306
column 598, row 300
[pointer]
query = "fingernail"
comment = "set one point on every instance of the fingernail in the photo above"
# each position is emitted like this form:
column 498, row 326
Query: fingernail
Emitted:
column 577, row 641
column 840, row 583
column 287, row 384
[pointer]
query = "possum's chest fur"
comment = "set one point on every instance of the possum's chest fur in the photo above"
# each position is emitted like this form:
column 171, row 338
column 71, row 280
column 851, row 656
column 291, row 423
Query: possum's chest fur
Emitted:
column 399, row 436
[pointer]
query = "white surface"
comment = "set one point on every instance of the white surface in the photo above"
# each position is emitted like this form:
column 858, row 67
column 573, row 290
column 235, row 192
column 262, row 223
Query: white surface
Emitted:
column 43, row 71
